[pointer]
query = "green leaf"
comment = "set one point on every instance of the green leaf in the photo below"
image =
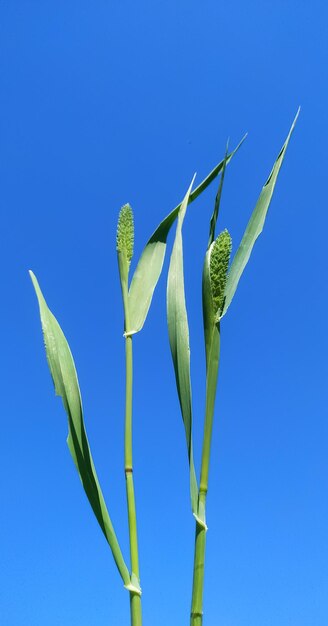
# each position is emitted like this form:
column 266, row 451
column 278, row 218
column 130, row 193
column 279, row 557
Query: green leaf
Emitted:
column 179, row 342
column 254, row 226
column 66, row 384
column 215, row 213
column 150, row 264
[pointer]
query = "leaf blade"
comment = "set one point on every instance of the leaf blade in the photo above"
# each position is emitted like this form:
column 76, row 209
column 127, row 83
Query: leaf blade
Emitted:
column 179, row 342
column 63, row 372
column 217, row 203
column 150, row 264
column 255, row 225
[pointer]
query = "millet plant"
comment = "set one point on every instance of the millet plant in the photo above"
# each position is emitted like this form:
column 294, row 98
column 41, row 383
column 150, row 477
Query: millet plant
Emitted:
column 219, row 286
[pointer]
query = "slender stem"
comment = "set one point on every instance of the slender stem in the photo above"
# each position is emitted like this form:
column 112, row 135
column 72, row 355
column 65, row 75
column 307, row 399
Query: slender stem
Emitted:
column 135, row 599
column 135, row 609
column 196, row 616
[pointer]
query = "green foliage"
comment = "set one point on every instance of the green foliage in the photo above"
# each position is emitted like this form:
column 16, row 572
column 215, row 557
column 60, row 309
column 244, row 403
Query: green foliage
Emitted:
column 255, row 225
column 218, row 288
column 150, row 264
column 63, row 372
column 179, row 342
column 136, row 301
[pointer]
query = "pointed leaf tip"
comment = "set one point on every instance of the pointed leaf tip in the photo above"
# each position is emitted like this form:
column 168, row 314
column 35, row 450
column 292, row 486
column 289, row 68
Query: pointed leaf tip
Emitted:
column 255, row 224
column 63, row 372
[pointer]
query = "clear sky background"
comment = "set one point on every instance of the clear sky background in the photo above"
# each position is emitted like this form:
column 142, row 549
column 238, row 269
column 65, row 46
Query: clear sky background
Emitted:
column 104, row 103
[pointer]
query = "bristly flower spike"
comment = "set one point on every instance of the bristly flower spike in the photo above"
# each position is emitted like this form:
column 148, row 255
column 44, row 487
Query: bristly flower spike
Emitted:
column 219, row 262
column 125, row 232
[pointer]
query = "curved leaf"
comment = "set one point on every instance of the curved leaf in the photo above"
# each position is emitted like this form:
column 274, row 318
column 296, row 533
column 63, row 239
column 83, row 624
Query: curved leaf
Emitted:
column 150, row 264
column 66, row 384
column 254, row 226
column 179, row 342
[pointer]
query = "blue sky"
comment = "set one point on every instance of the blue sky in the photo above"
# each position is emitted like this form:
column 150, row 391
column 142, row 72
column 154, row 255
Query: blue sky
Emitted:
column 105, row 103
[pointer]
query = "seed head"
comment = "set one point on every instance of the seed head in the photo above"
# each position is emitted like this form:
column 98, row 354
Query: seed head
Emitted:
column 125, row 232
column 219, row 261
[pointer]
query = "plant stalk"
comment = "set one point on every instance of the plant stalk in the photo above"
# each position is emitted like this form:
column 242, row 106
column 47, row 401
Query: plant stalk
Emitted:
column 135, row 599
column 196, row 615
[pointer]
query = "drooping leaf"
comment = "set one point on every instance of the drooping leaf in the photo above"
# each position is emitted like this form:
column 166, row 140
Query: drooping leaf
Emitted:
column 150, row 264
column 63, row 372
column 179, row 342
column 254, row 226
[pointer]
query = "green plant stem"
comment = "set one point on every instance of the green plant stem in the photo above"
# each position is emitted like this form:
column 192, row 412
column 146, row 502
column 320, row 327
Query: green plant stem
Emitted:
column 213, row 357
column 196, row 615
column 135, row 609
column 135, row 599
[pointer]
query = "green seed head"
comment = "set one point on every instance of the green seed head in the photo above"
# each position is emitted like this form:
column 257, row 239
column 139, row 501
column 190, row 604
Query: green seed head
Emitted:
column 219, row 261
column 125, row 232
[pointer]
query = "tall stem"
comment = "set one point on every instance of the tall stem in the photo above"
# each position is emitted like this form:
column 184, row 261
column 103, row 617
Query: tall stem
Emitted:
column 212, row 364
column 135, row 599
column 125, row 228
column 196, row 615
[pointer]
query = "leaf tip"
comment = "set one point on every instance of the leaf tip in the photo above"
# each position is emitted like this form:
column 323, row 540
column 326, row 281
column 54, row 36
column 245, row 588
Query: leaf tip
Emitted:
column 295, row 118
column 34, row 281
column 192, row 181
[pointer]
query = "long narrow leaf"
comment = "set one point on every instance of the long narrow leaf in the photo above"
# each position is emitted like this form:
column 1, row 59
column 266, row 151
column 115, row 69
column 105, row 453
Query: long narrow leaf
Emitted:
column 217, row 203
column 179, row 342
column 150, row 264
column 254, row 226
column 66, row 384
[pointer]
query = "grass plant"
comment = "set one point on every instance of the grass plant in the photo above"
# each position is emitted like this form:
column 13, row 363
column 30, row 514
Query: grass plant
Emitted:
column 137, row 296
column 219, row 285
